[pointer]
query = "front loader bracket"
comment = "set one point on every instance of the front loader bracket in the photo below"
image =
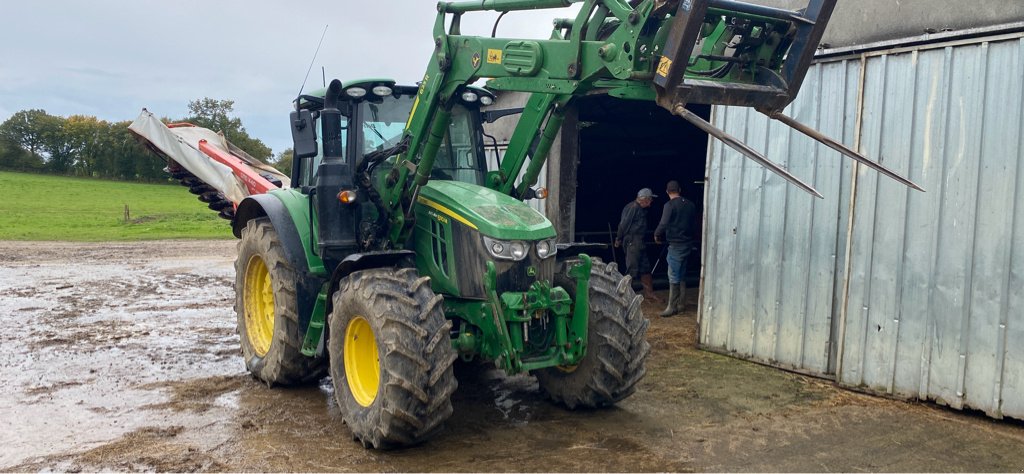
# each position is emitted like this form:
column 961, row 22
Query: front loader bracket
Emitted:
column 771, row 50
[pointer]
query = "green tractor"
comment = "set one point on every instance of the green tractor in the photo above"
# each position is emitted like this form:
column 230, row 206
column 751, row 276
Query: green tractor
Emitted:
column 321, row 287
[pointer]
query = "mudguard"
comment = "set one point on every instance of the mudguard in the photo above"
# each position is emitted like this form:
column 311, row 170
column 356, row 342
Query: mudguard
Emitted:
column 573, row 249
column 376, row 259
column 265, row 205
column 309, row 283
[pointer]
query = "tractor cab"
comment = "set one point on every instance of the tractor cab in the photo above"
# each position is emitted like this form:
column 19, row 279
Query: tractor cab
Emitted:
column 369, row 117
column 381, row 109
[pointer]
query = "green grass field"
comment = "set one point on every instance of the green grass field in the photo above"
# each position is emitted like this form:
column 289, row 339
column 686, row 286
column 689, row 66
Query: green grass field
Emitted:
column 41, row 207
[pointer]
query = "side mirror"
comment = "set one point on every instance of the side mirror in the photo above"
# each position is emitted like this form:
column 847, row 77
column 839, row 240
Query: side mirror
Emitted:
column 303, row 135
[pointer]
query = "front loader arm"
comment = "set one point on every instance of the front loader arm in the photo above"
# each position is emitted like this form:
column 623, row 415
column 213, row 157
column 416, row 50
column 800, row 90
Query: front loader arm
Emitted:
column 532, row 138
column 460, row 60
column 675, row 52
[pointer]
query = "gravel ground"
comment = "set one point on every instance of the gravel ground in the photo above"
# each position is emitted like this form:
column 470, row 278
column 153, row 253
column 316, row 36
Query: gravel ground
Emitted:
column 124, row 356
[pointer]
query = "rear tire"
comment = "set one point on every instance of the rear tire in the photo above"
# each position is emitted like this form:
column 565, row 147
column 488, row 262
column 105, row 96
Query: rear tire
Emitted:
column 616, row 338
column 394, row 389
column 267, row 310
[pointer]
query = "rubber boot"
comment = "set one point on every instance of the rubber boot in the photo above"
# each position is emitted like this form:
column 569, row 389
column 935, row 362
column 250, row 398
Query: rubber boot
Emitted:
column 648, row 282
column 672, row 297
column 681, row 298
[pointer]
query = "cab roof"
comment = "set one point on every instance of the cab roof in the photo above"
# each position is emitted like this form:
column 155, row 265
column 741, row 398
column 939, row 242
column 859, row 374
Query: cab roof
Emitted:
column 314, row 99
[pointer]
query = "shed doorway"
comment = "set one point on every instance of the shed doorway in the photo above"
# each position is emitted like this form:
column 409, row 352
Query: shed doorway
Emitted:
column 628, row 145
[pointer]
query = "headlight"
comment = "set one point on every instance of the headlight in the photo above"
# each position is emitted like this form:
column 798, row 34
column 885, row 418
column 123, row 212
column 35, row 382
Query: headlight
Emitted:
column 518, row 250
column 382, row 90
column 546, row 248
column 469, row 96
column 507, row 250
column 485, row 100
column 355, row 92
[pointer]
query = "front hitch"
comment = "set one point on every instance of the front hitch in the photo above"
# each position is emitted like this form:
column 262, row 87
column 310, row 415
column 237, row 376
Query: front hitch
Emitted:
column 581, row 310
column 512, row 313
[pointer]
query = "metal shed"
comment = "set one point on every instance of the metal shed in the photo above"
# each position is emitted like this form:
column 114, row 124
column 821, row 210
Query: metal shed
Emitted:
column 917, row 295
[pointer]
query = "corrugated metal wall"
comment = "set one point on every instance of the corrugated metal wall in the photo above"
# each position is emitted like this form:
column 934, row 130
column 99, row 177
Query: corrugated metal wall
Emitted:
column 927, row 300
column 771, row 250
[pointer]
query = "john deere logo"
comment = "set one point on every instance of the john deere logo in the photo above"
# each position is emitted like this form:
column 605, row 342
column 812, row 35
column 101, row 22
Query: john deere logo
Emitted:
column 530, row 271
column 476, row 60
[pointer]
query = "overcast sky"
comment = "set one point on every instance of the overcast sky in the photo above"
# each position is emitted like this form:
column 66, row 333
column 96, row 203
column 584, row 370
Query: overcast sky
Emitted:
column 111, row 58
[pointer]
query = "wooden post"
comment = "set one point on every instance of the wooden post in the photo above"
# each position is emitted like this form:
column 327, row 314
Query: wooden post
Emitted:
column 127, row 214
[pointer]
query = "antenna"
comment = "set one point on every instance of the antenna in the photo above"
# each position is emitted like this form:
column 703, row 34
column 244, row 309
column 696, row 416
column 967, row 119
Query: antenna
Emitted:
column 323, row 75
column 310, row 68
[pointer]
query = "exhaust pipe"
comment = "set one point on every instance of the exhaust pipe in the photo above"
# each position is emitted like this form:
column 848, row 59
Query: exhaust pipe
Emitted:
column 330, row 119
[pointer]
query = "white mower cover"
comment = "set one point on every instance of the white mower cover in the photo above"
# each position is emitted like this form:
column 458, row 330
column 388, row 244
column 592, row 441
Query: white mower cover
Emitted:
column 181, row 144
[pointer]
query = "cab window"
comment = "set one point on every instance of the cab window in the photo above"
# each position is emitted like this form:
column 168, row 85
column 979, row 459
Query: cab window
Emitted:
column 459, row 157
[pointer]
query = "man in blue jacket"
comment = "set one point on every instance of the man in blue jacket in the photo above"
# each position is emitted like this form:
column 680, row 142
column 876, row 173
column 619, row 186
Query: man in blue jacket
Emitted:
column 676, row 227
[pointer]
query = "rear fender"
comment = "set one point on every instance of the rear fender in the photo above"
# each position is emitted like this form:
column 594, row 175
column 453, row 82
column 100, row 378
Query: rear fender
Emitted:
column 311, row 275
column 296, row 240
column 572, row 249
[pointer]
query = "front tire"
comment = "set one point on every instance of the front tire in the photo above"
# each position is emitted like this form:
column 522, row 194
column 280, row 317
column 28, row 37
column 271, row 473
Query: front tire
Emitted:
column 617, row 342
column 391, row 357
column 267, row 310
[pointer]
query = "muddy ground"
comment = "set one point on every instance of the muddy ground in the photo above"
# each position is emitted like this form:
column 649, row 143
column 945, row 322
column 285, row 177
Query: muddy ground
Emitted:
column 125, row 357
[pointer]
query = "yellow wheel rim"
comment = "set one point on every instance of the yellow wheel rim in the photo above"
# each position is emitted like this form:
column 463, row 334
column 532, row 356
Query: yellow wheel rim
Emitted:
column 259, row 306
column 568, row 369
column 362, row 367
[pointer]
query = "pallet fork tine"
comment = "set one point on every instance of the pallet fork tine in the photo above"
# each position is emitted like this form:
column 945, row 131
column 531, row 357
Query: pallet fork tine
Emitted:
column 843, row 149
column 743, row 148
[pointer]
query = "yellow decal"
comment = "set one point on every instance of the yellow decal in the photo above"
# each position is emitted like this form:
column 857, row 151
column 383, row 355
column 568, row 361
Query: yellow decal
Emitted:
column 412, row 112
column 663, row 66
column 423, row 85
column 445, row 210
column 439, row 217
column 493, row 56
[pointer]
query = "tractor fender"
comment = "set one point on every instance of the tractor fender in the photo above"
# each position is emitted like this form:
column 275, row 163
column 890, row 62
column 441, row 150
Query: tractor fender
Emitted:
column 365, row 260
column 309, row 283
column 266, row 205
column 572, row 249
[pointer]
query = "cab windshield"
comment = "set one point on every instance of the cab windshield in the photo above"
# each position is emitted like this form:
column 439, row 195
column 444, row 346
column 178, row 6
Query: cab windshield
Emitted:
column 384, row 122
column 460, row 156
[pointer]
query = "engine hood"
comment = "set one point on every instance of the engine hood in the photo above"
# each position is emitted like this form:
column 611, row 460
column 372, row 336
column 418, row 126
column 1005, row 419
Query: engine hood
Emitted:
column 491, row 213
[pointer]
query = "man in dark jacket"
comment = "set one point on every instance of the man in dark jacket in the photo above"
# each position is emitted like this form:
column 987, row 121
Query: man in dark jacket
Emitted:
column 632, row 229
column 676, row 228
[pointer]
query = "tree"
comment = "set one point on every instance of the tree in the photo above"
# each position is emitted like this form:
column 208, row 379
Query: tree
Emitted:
column 61, row 150
column 90, row 138
column 13, row 157
column 284, row 162
column 26, row 129
column 216, row 115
